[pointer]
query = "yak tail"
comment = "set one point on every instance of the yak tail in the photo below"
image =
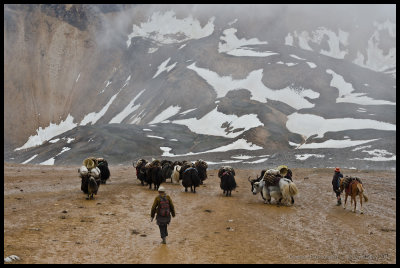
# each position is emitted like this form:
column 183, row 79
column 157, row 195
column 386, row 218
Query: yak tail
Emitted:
column 285, row 190
column 288, row 189
column 361, row 189
column 293, row 189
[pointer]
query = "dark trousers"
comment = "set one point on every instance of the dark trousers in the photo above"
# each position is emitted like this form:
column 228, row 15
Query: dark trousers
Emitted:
column 163, row 229
column 337, row 192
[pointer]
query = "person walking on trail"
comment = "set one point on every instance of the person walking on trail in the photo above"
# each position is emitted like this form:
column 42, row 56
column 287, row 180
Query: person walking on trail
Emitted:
column 164, row 208
column 336, row 183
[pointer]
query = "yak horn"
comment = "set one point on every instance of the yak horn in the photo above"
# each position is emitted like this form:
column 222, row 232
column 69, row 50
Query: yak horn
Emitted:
column 249, row 178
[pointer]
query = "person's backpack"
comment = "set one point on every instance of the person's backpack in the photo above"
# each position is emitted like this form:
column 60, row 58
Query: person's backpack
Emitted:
column 164, row 210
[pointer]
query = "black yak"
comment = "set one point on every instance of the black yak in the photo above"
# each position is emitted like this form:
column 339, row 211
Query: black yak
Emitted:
column 167, row 169
column 90, row 180
column 104, row 171
column 154, row 174
column 93, row 187
column 227, row 176
column 201, row 167
column 185, row 165
column 84, row 183
column 141, row 170
column 190, row 177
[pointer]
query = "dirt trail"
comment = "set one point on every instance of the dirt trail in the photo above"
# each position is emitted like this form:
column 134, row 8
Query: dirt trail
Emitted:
column 48, row 220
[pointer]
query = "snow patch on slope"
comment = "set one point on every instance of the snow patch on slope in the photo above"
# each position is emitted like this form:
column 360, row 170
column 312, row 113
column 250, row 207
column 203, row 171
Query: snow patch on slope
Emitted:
column 309, row 124
column 240, row 144
column 346, row 92
column 253, row 82
column 130, row 108
column 47, row 133
column 164, row 115
column 163, row 67
column 165, row 28
column 219, row 124
column 237, row 47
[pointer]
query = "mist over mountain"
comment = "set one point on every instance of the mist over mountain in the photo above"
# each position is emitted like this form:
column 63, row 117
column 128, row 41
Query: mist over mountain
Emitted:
column 250, row 85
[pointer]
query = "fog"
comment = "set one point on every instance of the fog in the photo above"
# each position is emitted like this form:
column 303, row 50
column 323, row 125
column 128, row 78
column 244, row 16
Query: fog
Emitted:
column 261, row 20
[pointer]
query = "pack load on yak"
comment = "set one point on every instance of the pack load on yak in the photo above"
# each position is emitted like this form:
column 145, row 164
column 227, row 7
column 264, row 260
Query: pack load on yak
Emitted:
column 272, row 176
column 228, row 182
column 87, row 170
column 224, row 169
column 90, row 162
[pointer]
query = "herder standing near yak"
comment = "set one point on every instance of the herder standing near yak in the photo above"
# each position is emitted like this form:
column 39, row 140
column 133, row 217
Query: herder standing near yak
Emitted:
column 335, row 183
column 165, row 208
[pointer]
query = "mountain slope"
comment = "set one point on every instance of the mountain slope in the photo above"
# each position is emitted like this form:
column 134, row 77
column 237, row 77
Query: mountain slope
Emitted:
column 130, row 80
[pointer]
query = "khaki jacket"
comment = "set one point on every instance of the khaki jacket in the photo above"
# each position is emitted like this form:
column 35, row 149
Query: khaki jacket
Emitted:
column 156, row 204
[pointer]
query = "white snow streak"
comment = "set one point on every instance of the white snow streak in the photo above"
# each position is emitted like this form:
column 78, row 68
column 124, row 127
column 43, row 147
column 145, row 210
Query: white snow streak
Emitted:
column 309, row 124
column 30, row 159
column 211, row 124
column 130, row 108
column 164, row 115
column 49, row 132
column 346, row 92
column 237, row 47
column 259, row 92
column 167, row 29
column 163, row 67
column 240, row 144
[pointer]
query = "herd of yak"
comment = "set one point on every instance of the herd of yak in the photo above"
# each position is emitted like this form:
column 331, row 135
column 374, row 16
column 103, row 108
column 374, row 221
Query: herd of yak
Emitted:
column 271, row 183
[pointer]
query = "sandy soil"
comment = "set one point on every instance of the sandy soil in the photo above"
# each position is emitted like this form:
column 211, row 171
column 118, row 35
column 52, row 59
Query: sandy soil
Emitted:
column 48, row 220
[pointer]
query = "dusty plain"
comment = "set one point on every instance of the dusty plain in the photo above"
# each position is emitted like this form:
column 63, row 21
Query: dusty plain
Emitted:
column 47, row 219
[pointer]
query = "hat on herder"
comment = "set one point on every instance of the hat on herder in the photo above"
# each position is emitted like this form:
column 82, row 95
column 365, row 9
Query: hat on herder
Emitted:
column 337, row 169
column 161, row 189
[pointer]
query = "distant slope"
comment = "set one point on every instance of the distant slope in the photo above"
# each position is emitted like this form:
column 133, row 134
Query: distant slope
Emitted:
column 125, row 81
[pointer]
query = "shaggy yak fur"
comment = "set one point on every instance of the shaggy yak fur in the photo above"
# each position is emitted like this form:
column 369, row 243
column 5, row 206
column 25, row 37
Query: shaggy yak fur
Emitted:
column 201, row 167
column 85, row 174
column 167, row 169
column 228, row 183
column 104, row 171
column 227, row 177
column 93, row 187
column 275, row 186
column 85, row 183
column 141, row 170
column 154, row 174
column 190, row 177
column 175, row 174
